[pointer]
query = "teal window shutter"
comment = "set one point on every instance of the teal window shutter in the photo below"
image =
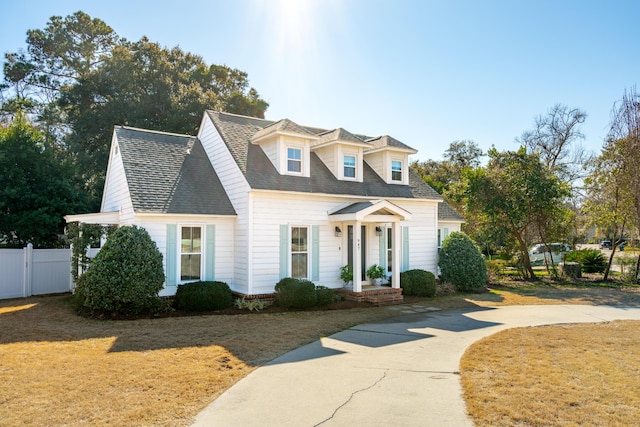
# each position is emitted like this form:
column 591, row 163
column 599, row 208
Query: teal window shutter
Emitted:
column 405, row 248
column 315, row 252
column 284, row 251
column 210, row 253
column 171, row 258
column 383, row 248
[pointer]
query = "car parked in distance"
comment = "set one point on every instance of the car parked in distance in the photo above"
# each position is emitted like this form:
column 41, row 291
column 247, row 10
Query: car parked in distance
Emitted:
column 606, row 244
column 539, row 252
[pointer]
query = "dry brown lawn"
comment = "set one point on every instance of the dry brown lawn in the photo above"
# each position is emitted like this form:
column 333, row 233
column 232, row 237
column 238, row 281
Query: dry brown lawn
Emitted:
column 562, row 375
column 57, row 368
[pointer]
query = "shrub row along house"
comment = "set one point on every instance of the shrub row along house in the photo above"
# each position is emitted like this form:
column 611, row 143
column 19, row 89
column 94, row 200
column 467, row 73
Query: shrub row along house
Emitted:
column 250, row 201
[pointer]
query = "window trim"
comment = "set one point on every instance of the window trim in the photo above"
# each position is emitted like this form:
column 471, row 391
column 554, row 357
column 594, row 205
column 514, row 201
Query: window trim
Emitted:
column 300, row 160
column 354, row 167
column 401, row 171
column 180, row 252
column 307, row 251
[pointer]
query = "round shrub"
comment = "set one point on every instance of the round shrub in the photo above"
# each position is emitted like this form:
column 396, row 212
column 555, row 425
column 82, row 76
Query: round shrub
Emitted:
column 325, row 295
column 203, row 296
column 419, row 283
column 461, row 263
column 592, row 260
column 125, row 276
column 295, row 293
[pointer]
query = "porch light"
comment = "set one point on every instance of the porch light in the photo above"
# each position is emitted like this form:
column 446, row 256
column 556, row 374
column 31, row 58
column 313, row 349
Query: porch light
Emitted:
column 338, row 231
column 378, row 231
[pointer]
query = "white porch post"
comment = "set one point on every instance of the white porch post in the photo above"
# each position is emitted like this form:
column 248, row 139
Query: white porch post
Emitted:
column 395, row 253
column 357, row 257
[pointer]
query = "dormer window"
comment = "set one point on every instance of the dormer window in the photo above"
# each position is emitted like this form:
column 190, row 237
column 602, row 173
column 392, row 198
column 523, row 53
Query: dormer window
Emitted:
column 350, row 167
column 294, row 160
column 396, row 170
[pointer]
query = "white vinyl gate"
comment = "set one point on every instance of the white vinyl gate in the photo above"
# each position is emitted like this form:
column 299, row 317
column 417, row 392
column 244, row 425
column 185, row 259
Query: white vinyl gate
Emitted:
column 28, row 271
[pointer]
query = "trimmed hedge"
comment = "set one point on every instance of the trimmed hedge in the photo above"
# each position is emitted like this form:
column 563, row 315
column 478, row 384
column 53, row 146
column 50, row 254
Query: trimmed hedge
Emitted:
column 417, row 282
column 203, row 296
column 295, row 293
column 461, row 263
column 125, row 277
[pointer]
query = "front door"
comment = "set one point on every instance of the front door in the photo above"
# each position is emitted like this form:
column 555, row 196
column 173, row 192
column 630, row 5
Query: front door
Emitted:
column 363, row 249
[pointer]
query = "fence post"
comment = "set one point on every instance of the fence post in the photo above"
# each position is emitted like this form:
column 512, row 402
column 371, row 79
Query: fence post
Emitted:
column 28, row 270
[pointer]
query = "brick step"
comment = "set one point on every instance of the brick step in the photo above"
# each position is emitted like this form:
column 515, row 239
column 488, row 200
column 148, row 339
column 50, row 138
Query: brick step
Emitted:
column 385, row 299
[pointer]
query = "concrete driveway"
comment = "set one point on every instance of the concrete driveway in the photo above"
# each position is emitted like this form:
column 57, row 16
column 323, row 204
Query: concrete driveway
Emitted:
column 402, row 371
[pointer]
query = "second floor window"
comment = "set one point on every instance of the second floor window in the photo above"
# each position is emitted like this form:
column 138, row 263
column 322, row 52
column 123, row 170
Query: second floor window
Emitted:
column 294, row 160
column 349, row 166
column 396, row 170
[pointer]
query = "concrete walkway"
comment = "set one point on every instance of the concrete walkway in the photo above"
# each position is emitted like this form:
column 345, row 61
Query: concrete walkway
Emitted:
column 402, row 371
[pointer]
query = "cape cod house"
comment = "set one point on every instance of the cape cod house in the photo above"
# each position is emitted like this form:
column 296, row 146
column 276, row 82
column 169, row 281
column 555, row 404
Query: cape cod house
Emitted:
column 249, row 201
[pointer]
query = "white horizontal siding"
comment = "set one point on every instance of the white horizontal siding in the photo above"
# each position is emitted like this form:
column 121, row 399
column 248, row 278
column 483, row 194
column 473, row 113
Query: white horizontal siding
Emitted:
column 237, row 190
column 116, row 191
column 224, row 253
column 423, row 251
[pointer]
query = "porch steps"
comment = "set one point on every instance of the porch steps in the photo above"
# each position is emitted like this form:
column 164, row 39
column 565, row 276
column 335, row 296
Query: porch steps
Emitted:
column 376, row 295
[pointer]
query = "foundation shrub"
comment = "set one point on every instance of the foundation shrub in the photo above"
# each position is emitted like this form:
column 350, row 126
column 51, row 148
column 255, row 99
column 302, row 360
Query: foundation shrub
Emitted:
column 419, row 283
column 325, row 296
column 461, row 263
column 125, row 276
column 203, row 296
column 295, row 293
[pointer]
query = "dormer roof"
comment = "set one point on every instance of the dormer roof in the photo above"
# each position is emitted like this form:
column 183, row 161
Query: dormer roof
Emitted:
column 282, row 127
column 238, row 133
column 338, row 135
column 386, row 141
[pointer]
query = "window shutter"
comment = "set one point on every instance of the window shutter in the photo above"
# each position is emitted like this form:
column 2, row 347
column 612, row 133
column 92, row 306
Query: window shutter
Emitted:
column 171, row 258
column 383, row 248
column 405, row 248
column 210, row 253
column 315, row 252
column 284, row 251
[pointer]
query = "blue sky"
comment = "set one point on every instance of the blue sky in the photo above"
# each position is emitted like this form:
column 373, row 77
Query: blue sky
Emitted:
column 425, row 72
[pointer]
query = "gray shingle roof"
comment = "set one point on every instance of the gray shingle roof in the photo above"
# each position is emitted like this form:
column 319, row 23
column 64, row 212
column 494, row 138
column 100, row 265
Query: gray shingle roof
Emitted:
column 447, row 213
column 286, row 126
column 169, row 173
column 237, row 132
column 337, row 135
column 387, row 141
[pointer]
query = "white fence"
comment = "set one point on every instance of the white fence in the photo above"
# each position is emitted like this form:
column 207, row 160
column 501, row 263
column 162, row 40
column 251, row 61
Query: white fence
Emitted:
column 28, row 271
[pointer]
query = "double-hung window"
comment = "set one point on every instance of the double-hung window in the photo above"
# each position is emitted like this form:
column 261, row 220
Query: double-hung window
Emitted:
column 349, row 166
column 396, row 170
column 190, row 253
column 294, row 160
column 299, row 252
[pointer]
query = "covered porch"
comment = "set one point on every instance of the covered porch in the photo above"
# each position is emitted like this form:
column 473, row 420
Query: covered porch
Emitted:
column 361, row 223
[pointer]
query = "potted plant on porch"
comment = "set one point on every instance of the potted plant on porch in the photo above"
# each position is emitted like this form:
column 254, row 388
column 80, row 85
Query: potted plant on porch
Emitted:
column 376, row 273
column 346, row 274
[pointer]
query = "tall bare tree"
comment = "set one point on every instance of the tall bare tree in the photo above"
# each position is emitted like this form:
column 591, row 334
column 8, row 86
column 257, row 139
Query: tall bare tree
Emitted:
column 556, row 138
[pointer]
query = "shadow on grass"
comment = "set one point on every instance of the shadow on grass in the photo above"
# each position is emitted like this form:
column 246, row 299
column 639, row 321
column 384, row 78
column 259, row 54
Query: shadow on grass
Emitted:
column 255, row 338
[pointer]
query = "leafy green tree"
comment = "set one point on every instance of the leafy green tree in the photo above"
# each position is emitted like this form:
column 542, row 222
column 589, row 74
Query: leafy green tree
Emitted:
column 79, row 78
column 510, row 194
column 36, row 189
column 614, row 183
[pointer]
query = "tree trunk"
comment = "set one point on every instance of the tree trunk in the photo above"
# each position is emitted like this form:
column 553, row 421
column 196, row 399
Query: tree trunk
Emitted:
column 524, row 253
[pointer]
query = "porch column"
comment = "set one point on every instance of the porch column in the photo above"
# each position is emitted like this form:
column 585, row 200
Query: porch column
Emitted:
column 395, row 254
column 357, row 257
